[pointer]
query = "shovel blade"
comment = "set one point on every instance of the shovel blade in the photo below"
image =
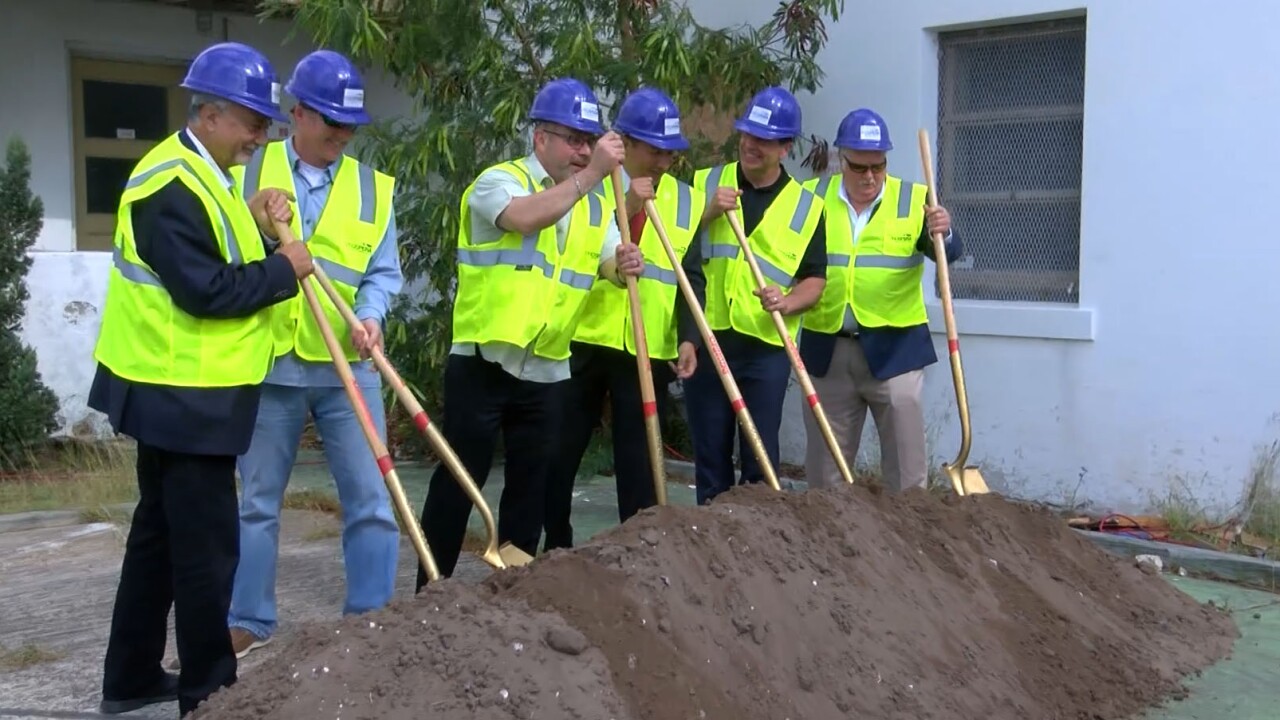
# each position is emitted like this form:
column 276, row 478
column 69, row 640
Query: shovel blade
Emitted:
column 974, row 484
column 968, row 481
column 513, row 556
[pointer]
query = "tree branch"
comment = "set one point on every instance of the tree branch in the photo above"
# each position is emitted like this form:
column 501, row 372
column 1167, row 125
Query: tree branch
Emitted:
column 526, row 44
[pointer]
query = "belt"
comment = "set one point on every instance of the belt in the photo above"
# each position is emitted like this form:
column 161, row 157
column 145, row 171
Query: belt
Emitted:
column 851, row 334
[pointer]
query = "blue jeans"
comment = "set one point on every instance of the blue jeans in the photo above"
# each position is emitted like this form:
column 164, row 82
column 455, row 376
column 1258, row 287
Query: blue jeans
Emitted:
column 370, row 535
column 761, row 372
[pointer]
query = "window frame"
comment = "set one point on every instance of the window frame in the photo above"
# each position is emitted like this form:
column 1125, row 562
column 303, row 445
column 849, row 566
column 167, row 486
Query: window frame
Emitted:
column 1031, row 281
column 94, row 232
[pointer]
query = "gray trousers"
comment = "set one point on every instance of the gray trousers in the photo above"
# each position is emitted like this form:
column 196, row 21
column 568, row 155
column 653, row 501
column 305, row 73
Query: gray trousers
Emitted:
column 846, row 392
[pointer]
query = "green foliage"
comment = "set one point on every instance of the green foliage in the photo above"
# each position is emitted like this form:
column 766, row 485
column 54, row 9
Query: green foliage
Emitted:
column 472, row 69
column 28, row 408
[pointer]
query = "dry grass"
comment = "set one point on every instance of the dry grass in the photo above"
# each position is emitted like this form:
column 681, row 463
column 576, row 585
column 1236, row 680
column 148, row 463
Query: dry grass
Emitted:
column 313, row 500
column 1253, row 528
column 72, row 474
column 26, row 656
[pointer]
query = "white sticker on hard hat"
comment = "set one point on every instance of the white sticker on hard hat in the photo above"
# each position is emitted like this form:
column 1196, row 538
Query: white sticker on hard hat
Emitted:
column 760, row 115
column 671, row 126
column 590, row 111
column 870, row 132
column 275, row 93
column 353, row 98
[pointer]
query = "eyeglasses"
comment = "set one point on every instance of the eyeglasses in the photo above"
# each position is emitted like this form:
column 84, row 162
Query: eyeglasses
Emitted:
column 576, row 141
column 859, row 169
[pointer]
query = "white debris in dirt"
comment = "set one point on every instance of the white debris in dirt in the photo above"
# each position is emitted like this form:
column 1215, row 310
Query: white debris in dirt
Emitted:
column 1150, row 564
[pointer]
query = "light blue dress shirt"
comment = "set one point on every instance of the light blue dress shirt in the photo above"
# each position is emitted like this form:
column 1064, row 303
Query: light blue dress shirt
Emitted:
column 381, row 282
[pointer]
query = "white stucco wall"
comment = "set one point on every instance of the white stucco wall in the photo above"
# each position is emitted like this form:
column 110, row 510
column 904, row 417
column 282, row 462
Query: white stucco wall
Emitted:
column 1164, row 373
column 37, row 39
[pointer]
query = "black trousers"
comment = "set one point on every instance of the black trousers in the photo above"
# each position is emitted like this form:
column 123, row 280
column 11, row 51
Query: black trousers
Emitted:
column 761, row 372
column 482, row 400
column 182, row 551
column 599, row 371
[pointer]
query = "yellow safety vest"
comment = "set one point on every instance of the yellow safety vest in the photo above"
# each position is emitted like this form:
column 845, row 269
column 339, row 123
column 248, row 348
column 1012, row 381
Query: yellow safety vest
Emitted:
column 607, row 318
column 525, row 290
column 351, row 225
column 147, row 338
column 883, row 286
column 778, row 243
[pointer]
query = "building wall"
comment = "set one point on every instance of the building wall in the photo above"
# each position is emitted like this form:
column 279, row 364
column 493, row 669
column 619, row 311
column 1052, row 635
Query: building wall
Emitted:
column 37, row 40
column 1158, row 380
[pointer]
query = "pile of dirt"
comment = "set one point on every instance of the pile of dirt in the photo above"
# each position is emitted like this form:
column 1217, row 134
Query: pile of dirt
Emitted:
column 828, row 604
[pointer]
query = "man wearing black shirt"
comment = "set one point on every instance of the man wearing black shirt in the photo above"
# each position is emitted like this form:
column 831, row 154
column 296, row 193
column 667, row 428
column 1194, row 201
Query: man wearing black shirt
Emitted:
column 603, row 361
column 783, row 224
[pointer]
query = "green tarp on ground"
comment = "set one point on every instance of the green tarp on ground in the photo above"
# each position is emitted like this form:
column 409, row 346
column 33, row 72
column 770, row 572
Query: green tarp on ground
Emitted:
column 1245, row 686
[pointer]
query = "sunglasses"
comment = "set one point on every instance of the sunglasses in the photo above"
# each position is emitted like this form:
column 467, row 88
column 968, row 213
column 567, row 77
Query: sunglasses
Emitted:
column 859, row 169
column 331, row 122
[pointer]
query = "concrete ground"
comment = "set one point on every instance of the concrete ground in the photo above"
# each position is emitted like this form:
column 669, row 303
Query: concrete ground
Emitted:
column 60, row 580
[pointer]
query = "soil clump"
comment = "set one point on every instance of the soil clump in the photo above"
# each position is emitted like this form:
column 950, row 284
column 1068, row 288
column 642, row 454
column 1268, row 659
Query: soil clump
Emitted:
column 821, row 605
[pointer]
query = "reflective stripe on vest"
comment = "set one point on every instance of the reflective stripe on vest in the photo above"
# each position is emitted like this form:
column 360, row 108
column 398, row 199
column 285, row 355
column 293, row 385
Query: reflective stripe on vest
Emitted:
column 500, row 297
column 606, row 321
column 351, row 225
column 778, row 243
column 145, row 336
column 884, row 286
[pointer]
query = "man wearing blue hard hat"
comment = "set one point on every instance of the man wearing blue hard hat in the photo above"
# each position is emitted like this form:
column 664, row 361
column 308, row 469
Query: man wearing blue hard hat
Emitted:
column 782, row 221
column 184, row 346
column 534, row 234
column 344, row 214
column 866, row 343
column 603, row 360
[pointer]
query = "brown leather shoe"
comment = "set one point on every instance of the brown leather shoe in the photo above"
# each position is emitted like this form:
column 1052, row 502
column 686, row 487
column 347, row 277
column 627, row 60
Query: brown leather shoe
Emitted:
column 243, row 641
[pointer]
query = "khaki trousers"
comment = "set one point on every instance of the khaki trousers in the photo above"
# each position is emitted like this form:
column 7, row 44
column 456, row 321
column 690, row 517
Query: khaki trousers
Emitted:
column 846, row 392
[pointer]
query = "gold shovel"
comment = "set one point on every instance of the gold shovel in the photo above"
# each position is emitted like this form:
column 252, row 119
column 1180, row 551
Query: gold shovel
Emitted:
column 967, row 480
column 497, row 557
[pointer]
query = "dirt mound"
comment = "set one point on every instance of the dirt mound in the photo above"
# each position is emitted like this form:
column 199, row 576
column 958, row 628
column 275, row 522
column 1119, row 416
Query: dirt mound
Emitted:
column 829, row 604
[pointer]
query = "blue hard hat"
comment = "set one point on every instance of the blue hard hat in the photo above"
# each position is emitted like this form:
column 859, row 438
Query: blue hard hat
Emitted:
column 650, row 115
column 568, row 102
column 773, row 114
column 236, row 72
column 331, row 85
column 863, row 129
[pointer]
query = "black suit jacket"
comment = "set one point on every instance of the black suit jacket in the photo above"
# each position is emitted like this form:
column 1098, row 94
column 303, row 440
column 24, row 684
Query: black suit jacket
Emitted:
column 890, row 351
column 175, row 238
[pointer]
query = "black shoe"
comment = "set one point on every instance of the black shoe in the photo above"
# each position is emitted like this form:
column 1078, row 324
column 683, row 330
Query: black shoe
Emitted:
column 164, row 691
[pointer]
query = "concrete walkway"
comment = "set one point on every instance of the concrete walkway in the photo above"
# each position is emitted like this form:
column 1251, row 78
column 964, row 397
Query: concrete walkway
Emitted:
column 60, row 578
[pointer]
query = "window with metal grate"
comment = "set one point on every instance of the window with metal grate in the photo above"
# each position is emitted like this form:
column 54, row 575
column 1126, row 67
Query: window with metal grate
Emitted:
column 1010, row 139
